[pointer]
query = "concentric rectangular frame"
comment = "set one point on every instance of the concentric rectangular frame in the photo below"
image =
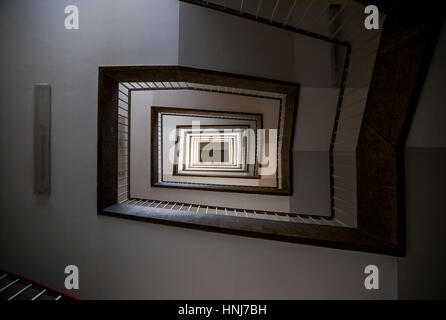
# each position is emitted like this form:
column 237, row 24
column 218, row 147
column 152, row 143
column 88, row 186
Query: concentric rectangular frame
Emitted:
column 289, row 90
column 379, row 229
column 201, row 113
column 235, row 167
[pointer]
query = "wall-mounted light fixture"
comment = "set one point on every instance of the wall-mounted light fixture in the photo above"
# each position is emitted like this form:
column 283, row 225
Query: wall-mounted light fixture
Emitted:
column 42, row 134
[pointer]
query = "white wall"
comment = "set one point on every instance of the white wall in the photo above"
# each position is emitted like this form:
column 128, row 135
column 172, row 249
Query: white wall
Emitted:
column 120, row 258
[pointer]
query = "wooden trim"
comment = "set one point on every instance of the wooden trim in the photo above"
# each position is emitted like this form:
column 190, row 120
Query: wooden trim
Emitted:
column 258, row 118
column 107, row 141
column 407, row 43
column 194, row 75
column 318, row 235
column 129, row 135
